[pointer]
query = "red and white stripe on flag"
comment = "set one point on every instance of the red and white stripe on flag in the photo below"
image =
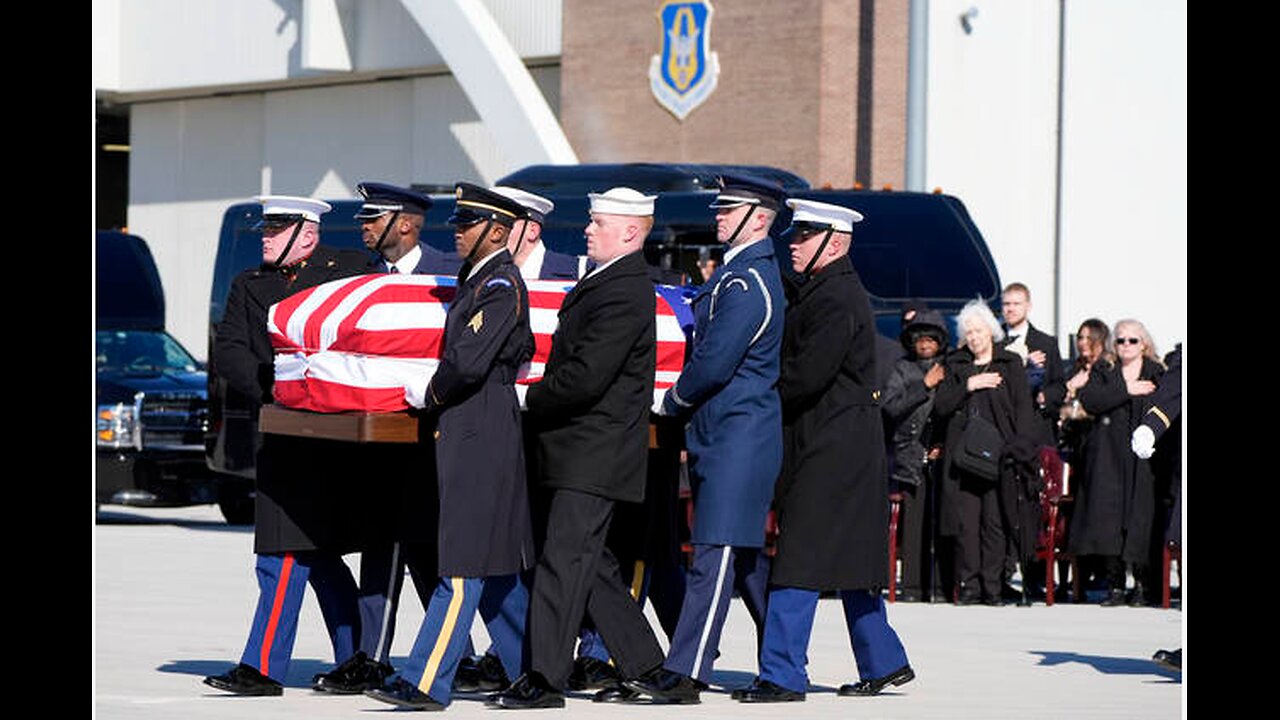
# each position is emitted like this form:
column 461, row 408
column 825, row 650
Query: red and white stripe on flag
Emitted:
column 371, row 343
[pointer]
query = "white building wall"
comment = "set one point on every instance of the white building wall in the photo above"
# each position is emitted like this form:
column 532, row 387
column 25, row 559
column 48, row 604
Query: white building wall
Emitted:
column 992, row 107
column 991, row 116
column 1124, row 203
column 174, row 44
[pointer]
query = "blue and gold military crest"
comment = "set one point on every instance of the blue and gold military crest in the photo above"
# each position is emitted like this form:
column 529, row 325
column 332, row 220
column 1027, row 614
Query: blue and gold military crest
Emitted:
column 684, row 74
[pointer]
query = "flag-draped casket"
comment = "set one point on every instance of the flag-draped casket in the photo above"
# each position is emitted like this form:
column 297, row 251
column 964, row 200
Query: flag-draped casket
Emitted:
column 371, row 343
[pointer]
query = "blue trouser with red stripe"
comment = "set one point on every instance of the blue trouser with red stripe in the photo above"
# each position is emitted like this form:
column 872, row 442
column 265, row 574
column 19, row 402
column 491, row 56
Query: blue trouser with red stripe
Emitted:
column 282, row 581
column 876, row 647
column 716, row 571
column 445, row 635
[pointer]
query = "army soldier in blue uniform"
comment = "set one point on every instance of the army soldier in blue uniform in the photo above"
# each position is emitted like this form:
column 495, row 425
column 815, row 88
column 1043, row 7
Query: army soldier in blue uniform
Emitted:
column 391, row 220
column 484, row 535
column 297, row 510
column 734, row 436
column 831, row 496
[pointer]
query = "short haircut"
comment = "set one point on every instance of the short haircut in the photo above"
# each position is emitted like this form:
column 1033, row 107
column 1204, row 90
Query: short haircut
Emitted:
column 1019, row 287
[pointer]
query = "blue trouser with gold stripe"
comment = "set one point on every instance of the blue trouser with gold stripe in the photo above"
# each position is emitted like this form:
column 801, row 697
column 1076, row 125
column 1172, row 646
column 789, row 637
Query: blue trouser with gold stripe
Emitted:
column 282, row 581
column 445, row 635
column 716, row 571
column 876, row 647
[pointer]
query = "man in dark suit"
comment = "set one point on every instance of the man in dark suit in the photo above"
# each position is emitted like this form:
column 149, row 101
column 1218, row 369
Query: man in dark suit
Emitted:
column 1043, row 360
column 830, row 497
column 391, row 221
column 296, row 508
column 484, row 529
column 536, row 260
column 1048, row 384
column 591, row 411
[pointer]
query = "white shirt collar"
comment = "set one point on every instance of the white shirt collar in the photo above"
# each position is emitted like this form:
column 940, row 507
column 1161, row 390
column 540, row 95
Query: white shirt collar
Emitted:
column 532, row 266
column 1020, row 330
column 407, row 264
column 596, row 270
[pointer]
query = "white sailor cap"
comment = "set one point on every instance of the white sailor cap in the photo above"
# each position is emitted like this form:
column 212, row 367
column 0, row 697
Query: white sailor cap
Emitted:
column 537, row 206
column 622, row 201
column 824, row 215
column 288, row 206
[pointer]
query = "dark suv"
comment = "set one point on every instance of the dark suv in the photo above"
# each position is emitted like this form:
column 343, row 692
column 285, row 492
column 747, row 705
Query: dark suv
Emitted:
column 151, row 395
column 912, row 246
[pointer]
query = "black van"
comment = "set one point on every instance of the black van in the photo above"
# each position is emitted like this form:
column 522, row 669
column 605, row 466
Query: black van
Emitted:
column 911, row 246
column 152, row 403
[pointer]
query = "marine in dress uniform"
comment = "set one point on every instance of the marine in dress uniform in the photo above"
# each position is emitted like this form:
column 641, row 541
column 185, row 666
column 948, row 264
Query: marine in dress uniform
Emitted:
column 830, row 499
column 484, row 535
column 391, row 220
column 734, row 434
column 591, row 413
column 298, row 494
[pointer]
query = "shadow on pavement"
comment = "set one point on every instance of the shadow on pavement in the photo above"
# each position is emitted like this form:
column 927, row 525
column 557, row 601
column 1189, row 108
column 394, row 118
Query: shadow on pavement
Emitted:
column 126, row 517
column 300, row 670
column 1109, row 665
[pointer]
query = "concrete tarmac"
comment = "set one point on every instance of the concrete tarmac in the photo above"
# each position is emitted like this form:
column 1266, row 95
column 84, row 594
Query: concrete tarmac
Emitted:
column 175, row 591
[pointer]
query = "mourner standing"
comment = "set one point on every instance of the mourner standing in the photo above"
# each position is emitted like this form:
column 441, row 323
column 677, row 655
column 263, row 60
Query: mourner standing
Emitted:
column 297, row 506
column 484, row 528
column 831, row 497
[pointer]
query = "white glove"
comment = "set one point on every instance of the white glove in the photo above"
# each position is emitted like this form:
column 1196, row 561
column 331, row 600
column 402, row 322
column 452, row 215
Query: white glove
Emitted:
column 1143, row 442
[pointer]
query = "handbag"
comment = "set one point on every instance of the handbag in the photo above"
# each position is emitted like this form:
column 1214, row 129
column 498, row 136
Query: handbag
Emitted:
column 980, row 446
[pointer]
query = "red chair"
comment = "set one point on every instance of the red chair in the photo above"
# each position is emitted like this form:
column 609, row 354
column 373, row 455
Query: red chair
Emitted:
column 1051, row 541
column 895, row 507
column 1172, row 551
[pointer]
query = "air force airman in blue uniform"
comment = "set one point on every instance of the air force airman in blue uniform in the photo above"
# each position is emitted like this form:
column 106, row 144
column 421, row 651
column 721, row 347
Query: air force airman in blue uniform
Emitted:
column 734, row 435
column 484, row 535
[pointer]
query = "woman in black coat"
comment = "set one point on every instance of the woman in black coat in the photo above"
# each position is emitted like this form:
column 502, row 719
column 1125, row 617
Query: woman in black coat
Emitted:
column 989, row 382
column 1115, row 492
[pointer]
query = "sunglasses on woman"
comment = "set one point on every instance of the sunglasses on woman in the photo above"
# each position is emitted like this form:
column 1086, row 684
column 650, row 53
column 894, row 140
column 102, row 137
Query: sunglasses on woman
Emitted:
column 1127, row 341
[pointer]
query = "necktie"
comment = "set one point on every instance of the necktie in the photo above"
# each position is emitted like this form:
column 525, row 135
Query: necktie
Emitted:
column 393, row 270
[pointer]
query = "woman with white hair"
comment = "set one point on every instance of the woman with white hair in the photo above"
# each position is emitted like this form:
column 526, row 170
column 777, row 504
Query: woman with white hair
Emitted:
column 1115, row 493
column 985, row 402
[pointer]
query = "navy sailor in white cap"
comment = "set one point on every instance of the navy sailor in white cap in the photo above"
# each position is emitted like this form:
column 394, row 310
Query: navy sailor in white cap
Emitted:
column 297, row 484
column 734, row 435
column 535, row 259
column 831, row 495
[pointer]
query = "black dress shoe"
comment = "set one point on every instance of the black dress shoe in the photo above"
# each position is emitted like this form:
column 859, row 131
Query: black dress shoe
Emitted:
column 1171, row 659
column 862, row 688
column 763, row 691
column 992, row 601
column 969, row 597
column 353, row 677
column 618, row 694
column 527, row 692
column 400, row 692
column 245, row 680
column 665, row 686
column 1114, row 598
column 907, row 596
column 483, row 675
column 592, row 674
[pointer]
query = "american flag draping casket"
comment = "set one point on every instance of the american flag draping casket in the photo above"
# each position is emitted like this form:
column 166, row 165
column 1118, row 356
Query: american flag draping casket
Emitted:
column 371, row 343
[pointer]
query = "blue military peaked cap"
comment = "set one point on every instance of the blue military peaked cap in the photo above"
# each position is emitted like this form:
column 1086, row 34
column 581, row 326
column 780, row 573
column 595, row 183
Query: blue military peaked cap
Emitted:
column 475, row 203
column 382, row 198
column 742, row 189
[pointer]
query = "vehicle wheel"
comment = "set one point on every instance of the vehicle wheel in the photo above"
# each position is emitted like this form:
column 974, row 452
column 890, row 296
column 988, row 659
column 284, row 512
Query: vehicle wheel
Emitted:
column 237, row 508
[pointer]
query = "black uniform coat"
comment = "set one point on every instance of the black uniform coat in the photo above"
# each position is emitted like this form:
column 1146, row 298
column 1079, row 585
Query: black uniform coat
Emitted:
column 484, row 502
column 1115, row 493
column 832, row 495
column 1008, row 406
column 1164, row 417
column 592, row 405
column 299, row 489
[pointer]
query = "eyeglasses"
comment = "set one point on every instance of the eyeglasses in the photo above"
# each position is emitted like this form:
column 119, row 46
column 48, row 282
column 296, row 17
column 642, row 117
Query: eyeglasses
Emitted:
column 1129, row 341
